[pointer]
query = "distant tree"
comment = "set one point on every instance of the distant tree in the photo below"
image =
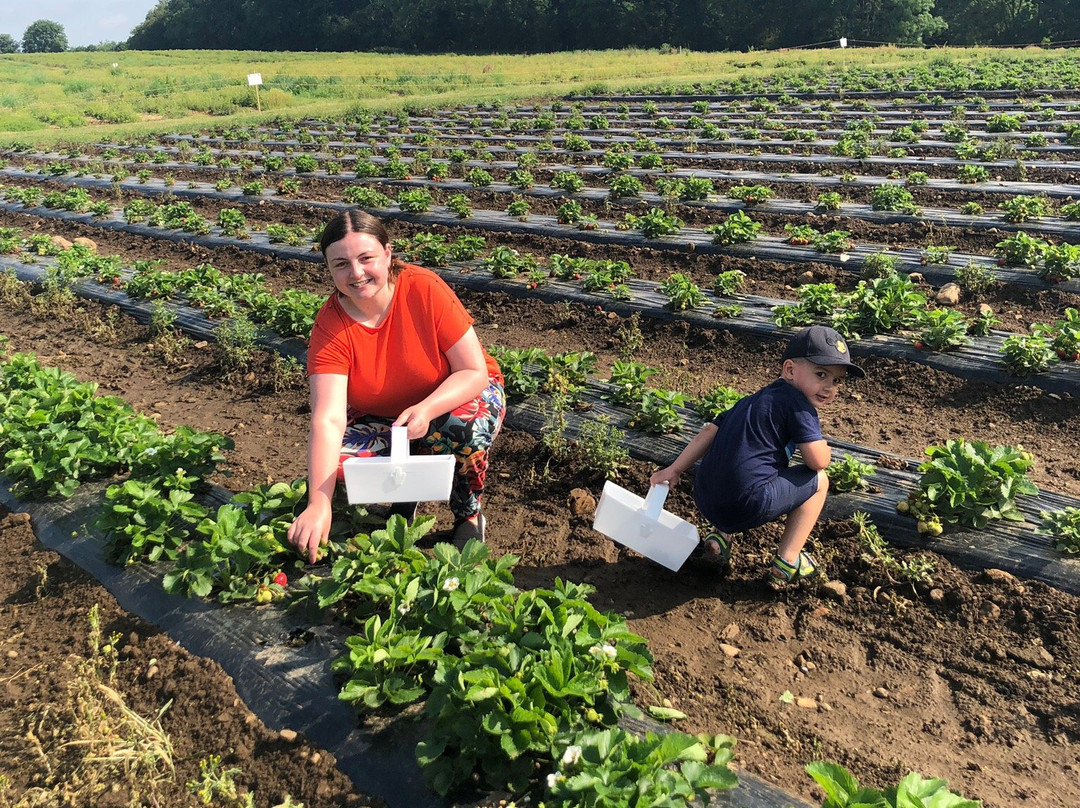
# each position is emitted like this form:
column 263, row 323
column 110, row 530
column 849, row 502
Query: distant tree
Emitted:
column 44, row 36
column 8, row 44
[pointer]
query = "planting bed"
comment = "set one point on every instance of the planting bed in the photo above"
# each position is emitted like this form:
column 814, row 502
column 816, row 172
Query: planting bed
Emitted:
column 971, row 675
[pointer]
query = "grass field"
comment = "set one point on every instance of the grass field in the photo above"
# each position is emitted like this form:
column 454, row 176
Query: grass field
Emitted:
column 77, row 97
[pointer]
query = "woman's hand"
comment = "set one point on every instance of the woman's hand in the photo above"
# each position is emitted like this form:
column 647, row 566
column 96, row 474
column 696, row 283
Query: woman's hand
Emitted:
column 668, row 475
column 310, row 531
column 417, row 419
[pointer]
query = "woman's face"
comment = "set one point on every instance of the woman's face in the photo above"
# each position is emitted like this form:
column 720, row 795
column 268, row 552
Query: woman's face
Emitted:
column 360, row 267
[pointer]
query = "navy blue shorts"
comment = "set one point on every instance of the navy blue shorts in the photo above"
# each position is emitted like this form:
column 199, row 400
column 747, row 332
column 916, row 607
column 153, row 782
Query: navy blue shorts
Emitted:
column 783, row 494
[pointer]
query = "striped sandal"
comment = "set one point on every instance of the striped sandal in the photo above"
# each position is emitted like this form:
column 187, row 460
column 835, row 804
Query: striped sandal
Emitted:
column 714, row 553
column 783, row 572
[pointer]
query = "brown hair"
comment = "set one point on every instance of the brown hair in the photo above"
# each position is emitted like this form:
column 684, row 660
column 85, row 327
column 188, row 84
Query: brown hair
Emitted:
column 358, row 221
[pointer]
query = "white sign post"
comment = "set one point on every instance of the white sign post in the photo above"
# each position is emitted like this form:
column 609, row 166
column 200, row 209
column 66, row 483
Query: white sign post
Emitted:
column 254, row 80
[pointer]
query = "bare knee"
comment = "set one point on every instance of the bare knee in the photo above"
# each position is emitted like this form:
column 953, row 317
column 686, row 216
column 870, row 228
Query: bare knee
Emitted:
column 822, row 482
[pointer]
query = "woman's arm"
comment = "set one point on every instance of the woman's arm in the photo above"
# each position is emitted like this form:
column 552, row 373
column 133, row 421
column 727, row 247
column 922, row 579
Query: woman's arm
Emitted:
column 468, row 377
column 328, row 407
column 694, row 451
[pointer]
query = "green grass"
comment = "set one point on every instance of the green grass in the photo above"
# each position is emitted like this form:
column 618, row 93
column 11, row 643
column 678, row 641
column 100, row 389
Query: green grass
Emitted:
column 78, row 97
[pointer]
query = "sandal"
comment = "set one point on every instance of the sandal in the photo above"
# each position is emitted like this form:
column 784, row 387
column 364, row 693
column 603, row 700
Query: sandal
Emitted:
column 465, row 529
column 714, row 551
column 783, row 572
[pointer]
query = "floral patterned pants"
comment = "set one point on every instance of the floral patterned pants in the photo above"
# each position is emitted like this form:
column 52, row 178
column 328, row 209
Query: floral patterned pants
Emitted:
column 467, row 433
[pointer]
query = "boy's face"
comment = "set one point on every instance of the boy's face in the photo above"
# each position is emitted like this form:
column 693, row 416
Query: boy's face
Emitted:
column 819, row 383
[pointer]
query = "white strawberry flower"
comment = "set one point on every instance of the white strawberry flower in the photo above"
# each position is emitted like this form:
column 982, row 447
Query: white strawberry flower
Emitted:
column 450, row 584
column 571, row 756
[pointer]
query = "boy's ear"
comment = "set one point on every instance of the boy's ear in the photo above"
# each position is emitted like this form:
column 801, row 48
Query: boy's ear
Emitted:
column 787, row 369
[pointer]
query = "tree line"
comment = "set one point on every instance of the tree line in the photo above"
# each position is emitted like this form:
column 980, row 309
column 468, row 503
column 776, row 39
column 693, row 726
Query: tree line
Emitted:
column 531, row 26
column 534, row 26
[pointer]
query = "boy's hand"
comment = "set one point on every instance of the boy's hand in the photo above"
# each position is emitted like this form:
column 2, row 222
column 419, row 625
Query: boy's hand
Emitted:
column 668, row 475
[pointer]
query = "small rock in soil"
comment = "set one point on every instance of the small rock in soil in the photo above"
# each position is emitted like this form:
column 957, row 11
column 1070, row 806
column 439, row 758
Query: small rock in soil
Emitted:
column 730, row 631
column 288, row 735
column 729, row 650
column 996, row 576
column 948, row 295
column 881, row 692
column 806, row 703
column 990, row 610
column 582, row 503
column 937, row 595
column 837, row 590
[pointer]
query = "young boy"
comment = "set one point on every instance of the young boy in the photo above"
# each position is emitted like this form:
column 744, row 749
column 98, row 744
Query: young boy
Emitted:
column 745, row 479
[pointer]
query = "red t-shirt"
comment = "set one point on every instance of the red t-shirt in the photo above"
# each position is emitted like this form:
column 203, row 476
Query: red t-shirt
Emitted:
column 403, row 360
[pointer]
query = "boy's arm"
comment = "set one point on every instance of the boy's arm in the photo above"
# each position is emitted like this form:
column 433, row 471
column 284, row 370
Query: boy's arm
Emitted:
column 694, row 451
column 816, row 454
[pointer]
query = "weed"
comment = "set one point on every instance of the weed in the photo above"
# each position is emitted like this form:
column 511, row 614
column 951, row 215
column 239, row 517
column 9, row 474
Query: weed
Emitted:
column 848, row 474
column 629, row 338
column 236, row 345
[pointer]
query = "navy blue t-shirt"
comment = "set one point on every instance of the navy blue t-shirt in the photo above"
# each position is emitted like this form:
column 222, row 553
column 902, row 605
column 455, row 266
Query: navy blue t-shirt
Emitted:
column 750, row 449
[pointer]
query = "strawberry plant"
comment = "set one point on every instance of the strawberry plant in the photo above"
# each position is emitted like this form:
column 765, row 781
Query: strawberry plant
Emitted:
column 842, row 790
column 1066, row 333
column 478, row 177
column 288, row 186
column 751, row 194
column 970, row 173
column 624, row 185
column 569, row 212
column 618, row 160
column 738, row 228
column 459, row 205
column 969, row 483
column 232, row 223
column 253, row 188
column 657, row 411
column 1063, row 526
column 682, row 293
column 1020, row 250
column 1021, row 208
column 655, row 223
column 1070, row 211
column 916, row 179
column 1027, row 354
column 828, row 202
column 800, row 234
column 983, row 323
column 365, row 196
column 149, row 519
column 729, row 282
column 942, row 330
column 575, row 143
column 893, row 197
column 610, row 768
column 629, row 380
column 694, row 188
column 835, row 241
column 521, row 382
column 568, row 181
column 1060, row 262
column 519, row 209
column 417, row 200
column 521, row 178
column 848, row 474
column 718, row 400
column 934, row 254
column 506, row 262
column 565, row 374
column 879, row 306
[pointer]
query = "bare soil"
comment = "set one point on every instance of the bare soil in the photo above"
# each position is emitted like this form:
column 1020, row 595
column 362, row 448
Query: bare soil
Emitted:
column 973, row 678
column 45, row 601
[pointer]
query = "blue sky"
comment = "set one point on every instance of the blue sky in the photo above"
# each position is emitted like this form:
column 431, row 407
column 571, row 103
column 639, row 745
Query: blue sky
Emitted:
column 86, row 22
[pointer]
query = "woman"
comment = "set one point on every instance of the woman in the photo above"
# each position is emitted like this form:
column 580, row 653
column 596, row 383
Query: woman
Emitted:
column 394, row 347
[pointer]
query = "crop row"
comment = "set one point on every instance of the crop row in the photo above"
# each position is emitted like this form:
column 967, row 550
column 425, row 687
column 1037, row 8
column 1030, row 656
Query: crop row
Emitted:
column 528, row 371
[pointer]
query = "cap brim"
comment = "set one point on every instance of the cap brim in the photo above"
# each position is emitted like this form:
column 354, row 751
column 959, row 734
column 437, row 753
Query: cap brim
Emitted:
column 830, row 361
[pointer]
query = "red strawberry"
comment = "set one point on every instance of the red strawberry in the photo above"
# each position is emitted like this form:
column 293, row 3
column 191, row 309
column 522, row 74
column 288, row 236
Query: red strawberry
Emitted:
column 281, row 579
